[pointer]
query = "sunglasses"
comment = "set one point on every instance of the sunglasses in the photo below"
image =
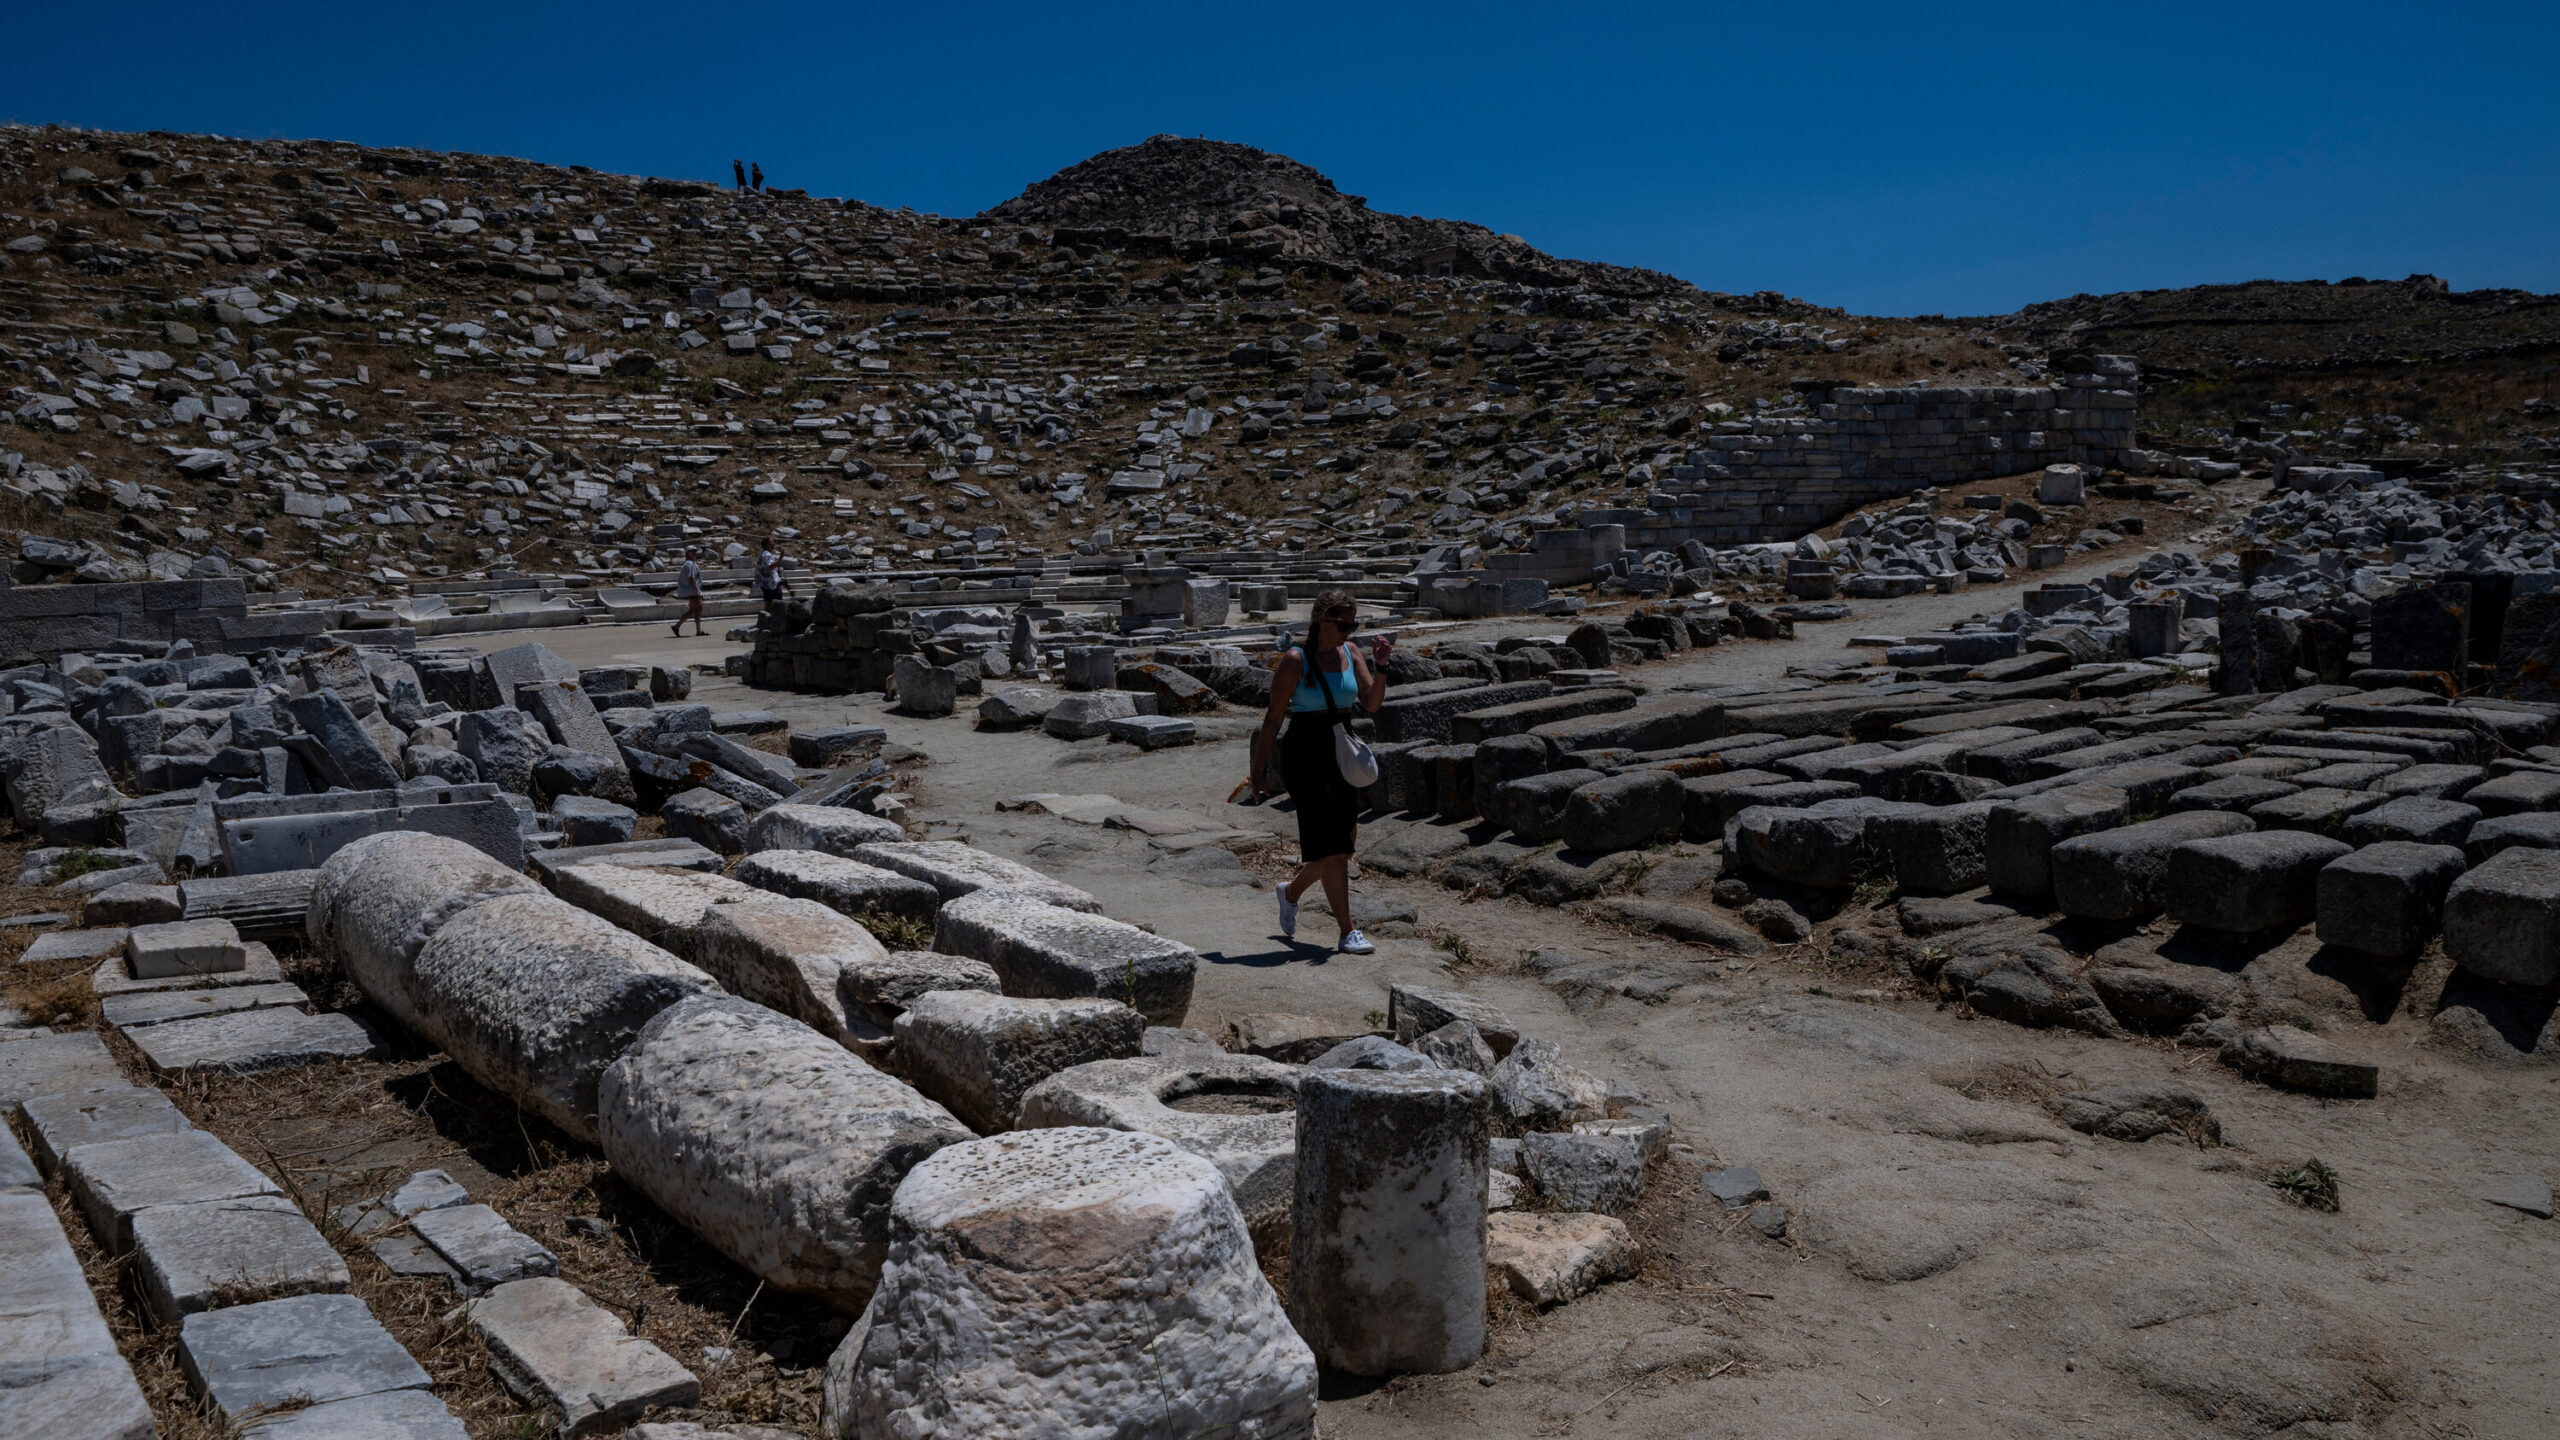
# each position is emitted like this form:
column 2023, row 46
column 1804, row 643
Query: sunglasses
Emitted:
column 1345, row 623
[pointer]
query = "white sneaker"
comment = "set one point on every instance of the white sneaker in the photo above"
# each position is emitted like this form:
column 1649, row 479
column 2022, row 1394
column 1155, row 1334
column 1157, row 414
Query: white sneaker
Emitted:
column 1355, row 943
column 1288, row 910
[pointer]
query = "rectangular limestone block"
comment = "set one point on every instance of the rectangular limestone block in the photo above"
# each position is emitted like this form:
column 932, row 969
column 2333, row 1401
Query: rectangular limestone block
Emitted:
column 956, row 870
column 54, row 1065
column 231, row 1252
column 183, row 947
column 63, row 1123
column 977, row 1054
column 483, row 1249
column 664, row 907
column 560, row 1352
column 114, row 1180
column 1042, row 951
column 64, row 1377
column 391, row 1415
column 248, row 1042
column 847, row 886
column 301, row 1350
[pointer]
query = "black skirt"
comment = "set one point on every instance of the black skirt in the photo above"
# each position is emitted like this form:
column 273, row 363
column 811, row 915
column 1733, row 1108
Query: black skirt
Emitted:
column 1328, row 808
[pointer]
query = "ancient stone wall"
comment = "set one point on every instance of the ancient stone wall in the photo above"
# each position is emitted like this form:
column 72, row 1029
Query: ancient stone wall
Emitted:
column 1776, row 476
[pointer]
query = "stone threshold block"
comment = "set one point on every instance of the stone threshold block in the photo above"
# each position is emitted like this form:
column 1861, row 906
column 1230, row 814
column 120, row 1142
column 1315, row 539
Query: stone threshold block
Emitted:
column 231, row 1252
column 152, row 1007
column 249, row 1360
column 555, row 1349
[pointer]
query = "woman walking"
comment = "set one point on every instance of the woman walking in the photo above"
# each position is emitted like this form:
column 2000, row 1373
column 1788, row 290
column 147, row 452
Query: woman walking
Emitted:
column 1316, row 687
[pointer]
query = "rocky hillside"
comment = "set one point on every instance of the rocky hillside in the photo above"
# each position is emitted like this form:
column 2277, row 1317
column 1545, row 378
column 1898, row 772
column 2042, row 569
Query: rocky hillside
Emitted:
column 343, row 369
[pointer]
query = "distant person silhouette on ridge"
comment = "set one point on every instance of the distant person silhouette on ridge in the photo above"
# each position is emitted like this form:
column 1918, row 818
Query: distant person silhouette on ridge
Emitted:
column 739, row 168
column 755, row 179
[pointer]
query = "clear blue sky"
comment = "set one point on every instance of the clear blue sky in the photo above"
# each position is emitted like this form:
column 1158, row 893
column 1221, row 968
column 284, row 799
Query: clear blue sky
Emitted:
column 1895, row 159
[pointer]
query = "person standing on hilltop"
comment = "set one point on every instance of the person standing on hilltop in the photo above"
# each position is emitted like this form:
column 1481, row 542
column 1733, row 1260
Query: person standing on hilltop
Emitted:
column 1315, row 687
column 755, row 176
column 739, row 169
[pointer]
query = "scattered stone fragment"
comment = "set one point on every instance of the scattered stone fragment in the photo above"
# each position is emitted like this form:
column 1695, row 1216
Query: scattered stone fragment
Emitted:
column 1550, row 1259
column 2293, row 1059
column 302, row 1350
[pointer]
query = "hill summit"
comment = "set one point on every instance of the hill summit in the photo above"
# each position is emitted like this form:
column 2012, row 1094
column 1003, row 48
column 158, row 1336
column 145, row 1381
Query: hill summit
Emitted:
column 1217, row 197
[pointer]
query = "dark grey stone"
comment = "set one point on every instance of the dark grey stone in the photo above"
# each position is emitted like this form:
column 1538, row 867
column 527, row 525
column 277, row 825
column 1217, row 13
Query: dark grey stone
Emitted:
column 305, row 1350
column 2248, row 884
column 2385, row 899
column 2120, row 874
column 2501, row 921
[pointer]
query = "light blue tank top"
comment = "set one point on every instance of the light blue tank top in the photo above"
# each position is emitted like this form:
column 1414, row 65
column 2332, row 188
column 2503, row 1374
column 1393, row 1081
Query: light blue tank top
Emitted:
column 1344, row 684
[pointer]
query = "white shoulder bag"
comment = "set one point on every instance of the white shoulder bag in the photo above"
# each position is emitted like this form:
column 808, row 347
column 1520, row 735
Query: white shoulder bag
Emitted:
column 1351, row 754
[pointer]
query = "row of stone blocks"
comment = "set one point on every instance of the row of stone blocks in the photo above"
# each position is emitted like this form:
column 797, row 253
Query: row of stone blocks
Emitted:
column 779, row 1144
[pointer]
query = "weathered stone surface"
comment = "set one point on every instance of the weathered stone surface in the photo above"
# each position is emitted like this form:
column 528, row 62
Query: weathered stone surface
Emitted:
column 1083, row 716
column 2121, row 874
column 88, row 1117
column 230, row 1252
column 483, row 1249
column 1680, row 922
column 1602, row 1173
column 1043, row 951
column 572, row 1359
column 2501, row 920
column 956, row 870
column 828, row 828
column 54, row 1065
column 2294, row 1059
column 2386, row 899
column 665, row 907
column 183, row 947
column 1238, row 1112
column 2413, row 818
column 587, row 820
column 390, row 1415
column 302, row 1350
column 847, row 886
column 64, row 1376
column 248, row 1042
column 114, row 1180
column 979, row 1054
column 1550, row 1259
column 1937, row 850
column 2136, row 1114
column 1291, row 1039
column 2249, row 883
column 380, row 898
column 769, row 1141
column 1535, row 806
column 708, row 818
column 791, row 956
column 1151, row 1305
column 1537, row 1088
column 1818, row 847
column 1387, row 1250
column 1623, row 812
column 535, row 997
column 1414, row 1010
column 2020, row 835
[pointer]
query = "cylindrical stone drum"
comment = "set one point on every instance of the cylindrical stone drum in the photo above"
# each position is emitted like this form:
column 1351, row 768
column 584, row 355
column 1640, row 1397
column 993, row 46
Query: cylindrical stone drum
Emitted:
column 1386, row 1260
